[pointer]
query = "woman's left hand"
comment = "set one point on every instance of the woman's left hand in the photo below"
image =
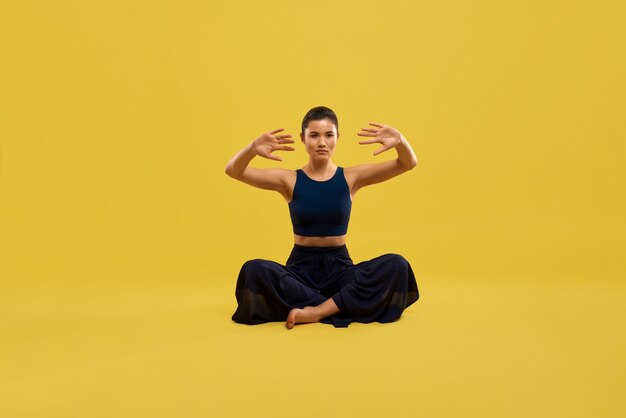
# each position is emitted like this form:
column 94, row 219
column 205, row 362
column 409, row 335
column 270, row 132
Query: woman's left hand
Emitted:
column 386, row 135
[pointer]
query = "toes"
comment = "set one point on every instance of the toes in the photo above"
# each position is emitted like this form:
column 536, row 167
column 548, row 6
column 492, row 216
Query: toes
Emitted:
column 291, row 319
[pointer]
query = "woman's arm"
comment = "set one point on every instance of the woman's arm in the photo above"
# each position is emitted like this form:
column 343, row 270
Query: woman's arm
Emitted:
column 237, row 165
column 263, row 178
column 406, row 156
column 366, row 174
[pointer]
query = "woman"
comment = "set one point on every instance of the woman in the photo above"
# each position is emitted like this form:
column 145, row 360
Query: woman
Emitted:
column 319, row 282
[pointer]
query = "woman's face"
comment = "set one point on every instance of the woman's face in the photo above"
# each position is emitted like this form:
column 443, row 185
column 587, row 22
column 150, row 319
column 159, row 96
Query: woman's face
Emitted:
column 320, row 138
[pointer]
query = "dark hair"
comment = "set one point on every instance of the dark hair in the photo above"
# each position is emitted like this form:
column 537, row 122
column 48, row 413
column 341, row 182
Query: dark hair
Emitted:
column 319, row 113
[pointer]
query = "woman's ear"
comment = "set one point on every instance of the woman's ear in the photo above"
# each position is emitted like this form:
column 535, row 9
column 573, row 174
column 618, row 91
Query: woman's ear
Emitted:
column 302, row 137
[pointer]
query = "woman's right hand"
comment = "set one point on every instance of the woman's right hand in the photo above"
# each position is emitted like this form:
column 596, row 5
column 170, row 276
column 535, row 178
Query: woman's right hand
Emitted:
column 270, row 142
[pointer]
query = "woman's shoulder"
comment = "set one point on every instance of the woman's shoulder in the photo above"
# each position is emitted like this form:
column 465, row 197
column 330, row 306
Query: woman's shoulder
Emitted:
column 276, row 172
column 349, row 172
column 290, row 175
column 282, row 172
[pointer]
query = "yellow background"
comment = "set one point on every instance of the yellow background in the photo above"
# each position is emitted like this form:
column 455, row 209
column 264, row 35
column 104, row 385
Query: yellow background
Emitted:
column 121, row 236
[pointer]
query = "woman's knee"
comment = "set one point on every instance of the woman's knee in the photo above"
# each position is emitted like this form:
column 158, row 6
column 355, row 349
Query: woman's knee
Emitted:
column 255, row 267
column 397, row 261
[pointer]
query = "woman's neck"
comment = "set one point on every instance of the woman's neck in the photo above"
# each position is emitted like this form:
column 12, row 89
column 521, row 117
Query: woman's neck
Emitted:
column 320, row 168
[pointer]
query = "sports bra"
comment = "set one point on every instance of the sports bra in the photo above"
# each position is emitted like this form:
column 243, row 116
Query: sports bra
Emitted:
column 320, row 208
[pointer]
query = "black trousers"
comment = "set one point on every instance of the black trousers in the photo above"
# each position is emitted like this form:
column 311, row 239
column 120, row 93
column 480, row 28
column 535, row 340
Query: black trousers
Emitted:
column 374, row 290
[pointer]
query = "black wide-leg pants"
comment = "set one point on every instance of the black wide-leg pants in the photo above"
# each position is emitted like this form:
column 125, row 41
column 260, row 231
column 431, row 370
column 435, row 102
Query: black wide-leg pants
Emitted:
column 374, row 290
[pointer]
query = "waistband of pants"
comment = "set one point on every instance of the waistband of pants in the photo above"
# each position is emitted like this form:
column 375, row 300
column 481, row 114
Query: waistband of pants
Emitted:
column 316, row 250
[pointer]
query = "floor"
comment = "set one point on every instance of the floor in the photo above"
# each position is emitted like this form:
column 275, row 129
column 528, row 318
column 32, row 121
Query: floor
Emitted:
column 467, row 348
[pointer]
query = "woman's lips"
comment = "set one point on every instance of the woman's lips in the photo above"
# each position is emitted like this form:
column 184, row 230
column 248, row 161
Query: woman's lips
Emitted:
column 322, row 152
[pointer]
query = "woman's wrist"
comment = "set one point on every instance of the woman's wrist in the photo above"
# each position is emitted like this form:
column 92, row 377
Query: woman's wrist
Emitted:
column 250, row 149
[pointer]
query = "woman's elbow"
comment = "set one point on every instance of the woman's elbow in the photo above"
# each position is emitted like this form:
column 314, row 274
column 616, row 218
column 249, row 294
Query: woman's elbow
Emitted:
column 411, row 164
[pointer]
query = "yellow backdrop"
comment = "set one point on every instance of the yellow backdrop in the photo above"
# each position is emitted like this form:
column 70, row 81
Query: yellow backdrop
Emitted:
column 121, row 236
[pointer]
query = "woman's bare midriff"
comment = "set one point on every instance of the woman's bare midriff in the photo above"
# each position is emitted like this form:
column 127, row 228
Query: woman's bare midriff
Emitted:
column 319, row 241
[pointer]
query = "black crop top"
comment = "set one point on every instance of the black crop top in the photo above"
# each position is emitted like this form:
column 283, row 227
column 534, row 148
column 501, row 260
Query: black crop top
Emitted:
column 320, row 208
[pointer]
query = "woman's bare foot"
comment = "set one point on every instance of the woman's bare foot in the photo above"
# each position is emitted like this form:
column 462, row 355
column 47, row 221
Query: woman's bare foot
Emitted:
column 300, row 316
